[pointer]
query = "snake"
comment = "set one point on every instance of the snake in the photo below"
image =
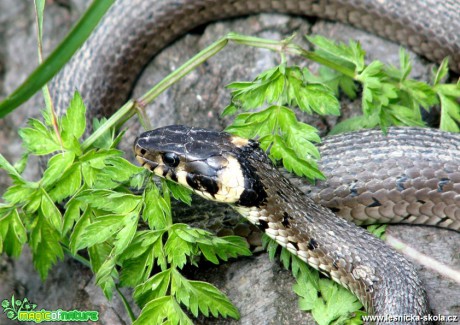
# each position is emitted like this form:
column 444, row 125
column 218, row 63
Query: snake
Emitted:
column 420, row 185
column 423, row 164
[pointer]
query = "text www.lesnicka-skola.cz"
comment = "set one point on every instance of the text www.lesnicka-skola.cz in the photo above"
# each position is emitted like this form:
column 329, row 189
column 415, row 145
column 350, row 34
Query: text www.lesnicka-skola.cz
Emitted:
column 411, row 318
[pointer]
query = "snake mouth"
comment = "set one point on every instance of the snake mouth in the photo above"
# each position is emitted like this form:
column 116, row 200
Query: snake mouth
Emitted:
column 147, row 163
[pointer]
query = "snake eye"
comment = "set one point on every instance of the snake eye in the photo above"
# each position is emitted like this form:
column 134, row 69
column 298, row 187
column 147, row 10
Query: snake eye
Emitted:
column 171, row 159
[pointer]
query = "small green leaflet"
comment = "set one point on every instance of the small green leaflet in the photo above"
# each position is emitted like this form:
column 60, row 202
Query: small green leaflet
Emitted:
column 350, row 56
column 13, row 234
column 330, row 304
column 40, row 139
column 289, row 141
column 44, row 241
column 449, row 95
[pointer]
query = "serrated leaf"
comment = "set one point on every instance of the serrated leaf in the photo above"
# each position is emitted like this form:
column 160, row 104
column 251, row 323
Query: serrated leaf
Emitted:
column 339, row 301
column 231, row 109
column 117, row 171
column 110, row 201
column 179, row 192
column 46, row 249
column 177, row 250
column 71, row 215
column 11, row 170
column 76, row 240
column 137, row 270
column 310, row 97
column 201, row 297
column 38, row 139
column 98, row 254
column 57, row 166
column 157, row 210
column 69, row 184
column 50, row 211
column 266, row 87
column 334, row 80
column 441, row 72
column 270, row 245
column 106, row 275
column 124, row 237
column 103, row 228
column 351, row 55
column 450, row 114
column 155, row 287
column 449, row 95
column 74, row 122
column 292, row 163
column 164, row 310
column 224, row 248
column 13, row 234
column 307, row 292
column 420, row 92
column 93, row 165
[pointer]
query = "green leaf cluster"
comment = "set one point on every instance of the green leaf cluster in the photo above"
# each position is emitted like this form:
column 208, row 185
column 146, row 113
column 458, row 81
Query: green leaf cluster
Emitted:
column 389, row 96
column 130, row 238
column 277, row 127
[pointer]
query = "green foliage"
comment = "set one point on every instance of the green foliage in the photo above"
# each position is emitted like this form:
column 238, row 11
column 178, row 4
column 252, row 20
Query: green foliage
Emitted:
column 58, row 58
column 276, row 126
column 103, row 217
column 328, row 302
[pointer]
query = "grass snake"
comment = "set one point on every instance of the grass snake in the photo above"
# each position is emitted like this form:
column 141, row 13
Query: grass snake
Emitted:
column 420, row 183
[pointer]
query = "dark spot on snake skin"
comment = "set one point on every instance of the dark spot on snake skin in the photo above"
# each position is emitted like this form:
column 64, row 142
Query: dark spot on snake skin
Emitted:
column 202, row 183
column 209, row 185
column 421, row 201
column 334, row 264
column 353, row 190
column 254, row 193
column 283, row 196
column 376, row 203
column 173, row 176
column 263, row 225
column 312, row 244
column 442, row 182
column 293, row 243
column 165, row 171
column 143, row 151
column 407, row 217
column 286, row 218
column 442, row 220
column 333, row 209
column 400, row 182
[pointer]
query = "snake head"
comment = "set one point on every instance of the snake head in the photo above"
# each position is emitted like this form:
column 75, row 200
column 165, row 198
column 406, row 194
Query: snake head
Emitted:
column 207, row 162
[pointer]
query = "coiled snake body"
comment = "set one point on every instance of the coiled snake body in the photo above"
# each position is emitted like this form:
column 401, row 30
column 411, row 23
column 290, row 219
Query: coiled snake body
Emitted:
column 424, row 183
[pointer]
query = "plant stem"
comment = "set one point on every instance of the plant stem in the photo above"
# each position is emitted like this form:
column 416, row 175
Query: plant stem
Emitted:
column 282, row 47
column 126, row 304
column 77, row 257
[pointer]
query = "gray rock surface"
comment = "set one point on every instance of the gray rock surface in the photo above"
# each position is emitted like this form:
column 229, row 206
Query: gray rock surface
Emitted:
column 261, row 289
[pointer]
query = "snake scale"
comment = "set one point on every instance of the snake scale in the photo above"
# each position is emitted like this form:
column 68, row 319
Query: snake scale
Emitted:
column 133, row 31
